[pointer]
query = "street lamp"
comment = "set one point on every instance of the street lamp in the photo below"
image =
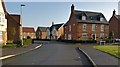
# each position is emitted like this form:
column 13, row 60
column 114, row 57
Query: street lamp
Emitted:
column 21, row 25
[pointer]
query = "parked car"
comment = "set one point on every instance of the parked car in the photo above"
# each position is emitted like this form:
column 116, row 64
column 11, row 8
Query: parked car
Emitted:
column 117, row 40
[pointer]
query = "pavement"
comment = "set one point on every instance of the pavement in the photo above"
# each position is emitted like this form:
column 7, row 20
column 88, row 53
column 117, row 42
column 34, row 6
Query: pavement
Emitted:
column 100, row 58
column 10, row 52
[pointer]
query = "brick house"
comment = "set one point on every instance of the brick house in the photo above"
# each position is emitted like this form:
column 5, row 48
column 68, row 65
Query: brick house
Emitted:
column 56, row 31
column 86, row 25
column 41, row 32
column 13, row 27
column 3, row 24
column 28, row 32
column 114, row 24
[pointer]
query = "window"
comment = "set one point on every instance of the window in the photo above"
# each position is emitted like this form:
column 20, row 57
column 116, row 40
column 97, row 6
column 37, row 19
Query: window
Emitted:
column 101, row 35
column 83, row 17
column 0, row 17
column 69, row 36
column 93, row 27
column 101, row 19
column 1, row 36
column 65, row 37
column 84, row 36
column 102, row 28
column 69, row 27
column 84, row 27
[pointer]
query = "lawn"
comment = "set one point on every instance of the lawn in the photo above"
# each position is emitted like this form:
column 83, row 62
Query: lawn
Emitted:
column 8, row 46
column 112, row 50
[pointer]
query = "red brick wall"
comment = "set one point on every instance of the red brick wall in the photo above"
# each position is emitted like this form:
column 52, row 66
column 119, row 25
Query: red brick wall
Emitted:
column 77, row 29
column 11, row 23
column 89, row 31
column 73, row 22
column 114, row 26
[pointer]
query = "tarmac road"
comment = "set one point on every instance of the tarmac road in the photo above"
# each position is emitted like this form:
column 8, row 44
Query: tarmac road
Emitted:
column 49, row 54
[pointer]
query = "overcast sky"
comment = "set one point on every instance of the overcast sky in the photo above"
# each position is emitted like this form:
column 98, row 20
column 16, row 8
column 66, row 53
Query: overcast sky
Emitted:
column 43, row 13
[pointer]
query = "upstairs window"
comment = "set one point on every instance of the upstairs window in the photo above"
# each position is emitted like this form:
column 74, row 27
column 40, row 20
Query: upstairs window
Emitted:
column 102, row 28
column 83, row 17
column 1, row 39
column 84, row 27
column 69, row 27
column 93, row 27
column 101, row 19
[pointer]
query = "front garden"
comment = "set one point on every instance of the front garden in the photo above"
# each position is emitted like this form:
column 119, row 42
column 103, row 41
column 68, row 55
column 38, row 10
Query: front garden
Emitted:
column 112, row 50
column 26, row 42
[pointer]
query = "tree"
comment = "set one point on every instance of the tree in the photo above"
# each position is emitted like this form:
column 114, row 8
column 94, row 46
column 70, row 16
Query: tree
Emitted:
column 12, row 32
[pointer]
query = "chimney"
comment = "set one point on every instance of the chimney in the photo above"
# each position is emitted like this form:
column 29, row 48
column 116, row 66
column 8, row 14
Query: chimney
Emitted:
column 72, row 8
column 114, row 12
column 52, row 23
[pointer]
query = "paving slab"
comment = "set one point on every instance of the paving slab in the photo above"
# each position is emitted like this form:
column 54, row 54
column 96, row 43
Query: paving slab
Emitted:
column 14, row 50
column 100, row 58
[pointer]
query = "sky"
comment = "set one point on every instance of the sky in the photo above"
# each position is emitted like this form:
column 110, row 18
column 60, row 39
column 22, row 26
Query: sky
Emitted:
column 44, row 13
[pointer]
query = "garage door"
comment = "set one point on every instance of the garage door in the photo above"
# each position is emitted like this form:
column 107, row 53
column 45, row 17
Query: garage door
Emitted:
column 1, row 36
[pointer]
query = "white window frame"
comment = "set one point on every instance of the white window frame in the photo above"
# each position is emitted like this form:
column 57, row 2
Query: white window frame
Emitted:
column 83, row 17
column 102, row 35
column 93, row 27
column 102, row 28
column 101, row 19
column 65, row 37
column 69, row 27
column 84, row 38
column 84, row 27
column 69, row 36
column 0, row 17
column 1, row 38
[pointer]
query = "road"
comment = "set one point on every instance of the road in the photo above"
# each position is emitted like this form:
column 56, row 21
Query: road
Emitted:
column 51, row 53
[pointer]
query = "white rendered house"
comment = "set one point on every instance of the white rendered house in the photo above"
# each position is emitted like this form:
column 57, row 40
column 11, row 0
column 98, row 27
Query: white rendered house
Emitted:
column 3, row 24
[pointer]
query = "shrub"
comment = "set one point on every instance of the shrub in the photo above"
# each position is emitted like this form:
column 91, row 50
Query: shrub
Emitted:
column 27, row 41
column 18, row 43
column 79, row 41
column 9, row 41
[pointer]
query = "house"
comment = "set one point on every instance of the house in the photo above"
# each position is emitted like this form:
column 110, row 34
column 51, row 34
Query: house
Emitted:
column 56, row 31
column 48, row 33
column 3, row 24
column 41, row 32
column 114, row 24
column 28, row 32
column 86, row 25
column 13, row 27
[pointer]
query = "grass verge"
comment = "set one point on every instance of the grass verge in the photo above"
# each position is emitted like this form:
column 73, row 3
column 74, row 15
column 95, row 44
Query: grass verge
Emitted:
column 112, row 50
column 8, row 46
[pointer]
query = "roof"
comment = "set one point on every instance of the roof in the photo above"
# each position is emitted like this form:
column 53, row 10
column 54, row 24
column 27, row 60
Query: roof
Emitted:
column 15, row 17
column 43, row 29
column 28, row 29
column 94, row 16
column 3, row 4
column 57, row 26
column 118, row 17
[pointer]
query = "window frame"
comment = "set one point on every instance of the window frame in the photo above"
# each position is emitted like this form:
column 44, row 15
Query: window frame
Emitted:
column 93, row 27
column 102, row 28
column 84, row 37
column 84, row 27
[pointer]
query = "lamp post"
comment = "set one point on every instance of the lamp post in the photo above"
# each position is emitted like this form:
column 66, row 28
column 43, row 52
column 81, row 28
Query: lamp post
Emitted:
column 21, row 38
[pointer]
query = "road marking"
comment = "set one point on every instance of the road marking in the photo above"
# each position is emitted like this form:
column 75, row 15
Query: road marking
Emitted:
column 1, row 58
column 5, row 57
column 38, row 46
